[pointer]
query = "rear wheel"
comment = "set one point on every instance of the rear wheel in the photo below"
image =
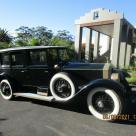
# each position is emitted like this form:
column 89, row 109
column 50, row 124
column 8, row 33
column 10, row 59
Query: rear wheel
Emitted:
column 104, row 103
column 6, row 90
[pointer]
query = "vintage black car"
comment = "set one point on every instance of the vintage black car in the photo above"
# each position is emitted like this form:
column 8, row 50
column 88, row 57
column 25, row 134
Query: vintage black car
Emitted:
column 45, row 73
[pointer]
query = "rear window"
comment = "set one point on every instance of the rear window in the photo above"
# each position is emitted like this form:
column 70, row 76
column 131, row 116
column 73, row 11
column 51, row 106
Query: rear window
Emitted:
column 17, row 59
column 5, row 59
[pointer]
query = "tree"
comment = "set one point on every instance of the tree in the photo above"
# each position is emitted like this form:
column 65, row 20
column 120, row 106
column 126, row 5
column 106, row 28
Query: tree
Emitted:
column 3, row 45
column 64, row 35
column 43, row 35
column 64, row 38
column 24, row 34
column 34, row 42
column 32, row 36
column 4, row 36
column 5, row 39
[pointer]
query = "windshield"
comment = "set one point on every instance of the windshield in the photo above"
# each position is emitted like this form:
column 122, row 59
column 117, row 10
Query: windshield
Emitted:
column 63, row 55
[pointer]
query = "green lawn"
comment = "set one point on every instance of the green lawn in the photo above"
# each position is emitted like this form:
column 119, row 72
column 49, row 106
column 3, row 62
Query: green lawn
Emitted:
column 132, row 79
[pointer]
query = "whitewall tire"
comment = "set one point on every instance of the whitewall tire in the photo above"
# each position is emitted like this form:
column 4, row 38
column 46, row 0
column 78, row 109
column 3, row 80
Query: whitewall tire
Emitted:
column 6, row 90
column 100, row 98
column 62, row 87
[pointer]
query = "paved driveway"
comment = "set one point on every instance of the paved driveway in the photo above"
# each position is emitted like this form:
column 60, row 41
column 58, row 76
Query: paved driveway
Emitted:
column 25, row 117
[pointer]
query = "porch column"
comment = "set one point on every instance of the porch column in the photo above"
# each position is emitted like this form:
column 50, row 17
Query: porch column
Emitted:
column 116, row 42
column 88, row 45
column 96, row 44
column 109, row 42
column 123, row 46
column 78, row 41
column 128, row 55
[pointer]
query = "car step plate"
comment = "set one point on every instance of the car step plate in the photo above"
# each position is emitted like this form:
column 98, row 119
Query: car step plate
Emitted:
column 42, row 93
column 35, row 96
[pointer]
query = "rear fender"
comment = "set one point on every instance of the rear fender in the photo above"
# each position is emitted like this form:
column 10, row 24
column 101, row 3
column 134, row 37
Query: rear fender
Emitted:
column 12, row 81
column 4, row 76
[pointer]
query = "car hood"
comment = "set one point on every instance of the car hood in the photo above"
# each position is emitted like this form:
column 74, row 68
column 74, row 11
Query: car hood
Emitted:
column 91, row 66
column 90, row 70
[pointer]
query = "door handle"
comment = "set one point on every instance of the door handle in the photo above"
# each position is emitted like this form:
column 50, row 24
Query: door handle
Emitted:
column 22, row 71
column 45, row 71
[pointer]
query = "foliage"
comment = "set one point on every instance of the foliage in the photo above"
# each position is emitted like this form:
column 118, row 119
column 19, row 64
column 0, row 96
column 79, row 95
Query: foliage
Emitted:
column 37, row 36
column 132, row 72
column 43, row 35
column 4, row 45
column 4, row 36
column 64, row 38
column 34, row 42
column 33, row 36
column 132, row 79
column 5, row 39
column 133, row 60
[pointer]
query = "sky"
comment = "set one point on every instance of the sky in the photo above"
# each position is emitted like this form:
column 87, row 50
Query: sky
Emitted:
column 57, row 14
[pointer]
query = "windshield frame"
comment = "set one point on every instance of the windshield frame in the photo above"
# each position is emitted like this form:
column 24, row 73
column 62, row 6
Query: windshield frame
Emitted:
column 60, row 57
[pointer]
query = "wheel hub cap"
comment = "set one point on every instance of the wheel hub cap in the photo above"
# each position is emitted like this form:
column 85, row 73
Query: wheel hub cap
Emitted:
column 62, row 88
column 100, row 104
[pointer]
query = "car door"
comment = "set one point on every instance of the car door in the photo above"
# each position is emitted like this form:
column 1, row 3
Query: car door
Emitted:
column 38, row 69
column 5, row 63
column 18, row 69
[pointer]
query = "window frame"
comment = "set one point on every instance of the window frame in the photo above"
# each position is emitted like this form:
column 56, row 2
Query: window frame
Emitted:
column 24, row 60
column 48, row 56
column 37, row 65
column 1, row 57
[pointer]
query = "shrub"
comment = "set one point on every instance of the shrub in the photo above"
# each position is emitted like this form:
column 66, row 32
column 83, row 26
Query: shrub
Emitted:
column 132, row 71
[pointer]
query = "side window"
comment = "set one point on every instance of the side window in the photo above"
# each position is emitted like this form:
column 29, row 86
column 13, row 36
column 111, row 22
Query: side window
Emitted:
column 38, row 58
column 5, row 60
column 17, row 59
column 52, row 56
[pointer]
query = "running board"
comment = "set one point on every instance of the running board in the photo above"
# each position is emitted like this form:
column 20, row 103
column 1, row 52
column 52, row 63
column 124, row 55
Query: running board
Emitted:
column 35, row 96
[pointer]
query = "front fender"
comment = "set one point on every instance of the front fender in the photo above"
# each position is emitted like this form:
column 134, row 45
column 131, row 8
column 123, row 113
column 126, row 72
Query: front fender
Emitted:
column 111, row 84
column 123, row 75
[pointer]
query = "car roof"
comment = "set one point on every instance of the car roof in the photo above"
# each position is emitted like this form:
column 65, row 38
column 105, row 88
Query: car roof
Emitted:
column 31, row 48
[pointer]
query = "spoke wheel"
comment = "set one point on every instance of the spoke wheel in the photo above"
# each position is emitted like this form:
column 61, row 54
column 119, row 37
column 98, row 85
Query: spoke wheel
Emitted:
column 62, row 87
column 103, row 101
column 6, row 90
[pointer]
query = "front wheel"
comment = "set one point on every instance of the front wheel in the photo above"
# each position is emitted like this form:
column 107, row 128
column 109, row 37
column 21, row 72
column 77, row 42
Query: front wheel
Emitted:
column 62, row 87
column 104, row 103
column 6, row 90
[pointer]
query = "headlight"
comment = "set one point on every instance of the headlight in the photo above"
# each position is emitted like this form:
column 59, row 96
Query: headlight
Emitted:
column 115, row 76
